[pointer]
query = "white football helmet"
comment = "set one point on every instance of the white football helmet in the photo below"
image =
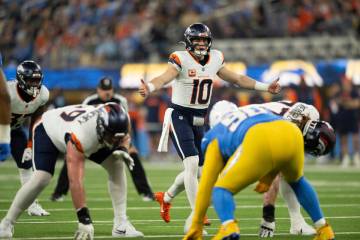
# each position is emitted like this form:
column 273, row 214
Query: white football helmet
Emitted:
column 220, row 109
column 301, row 113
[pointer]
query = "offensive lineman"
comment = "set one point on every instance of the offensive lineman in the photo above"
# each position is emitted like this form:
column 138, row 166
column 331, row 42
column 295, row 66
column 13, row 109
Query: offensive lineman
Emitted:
column 193, row 71
column 98, row 133
column 245, row 145
column 5, row 106
column 28, row 99
column 104, row 94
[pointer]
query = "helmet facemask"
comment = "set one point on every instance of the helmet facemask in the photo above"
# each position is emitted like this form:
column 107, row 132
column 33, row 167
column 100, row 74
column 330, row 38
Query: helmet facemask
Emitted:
column 29, row 77
column 195, row 46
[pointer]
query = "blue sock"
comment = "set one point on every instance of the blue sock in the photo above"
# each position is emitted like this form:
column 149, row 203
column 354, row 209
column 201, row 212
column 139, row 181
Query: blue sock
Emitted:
column 307, row 197
column 223, row 203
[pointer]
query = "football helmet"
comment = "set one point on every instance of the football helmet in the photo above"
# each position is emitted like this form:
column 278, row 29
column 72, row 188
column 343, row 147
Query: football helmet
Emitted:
column 301, row 113
column 112, row 124
column 219, row 110
column 319, row 137
column 29, row 77
column 197, row 31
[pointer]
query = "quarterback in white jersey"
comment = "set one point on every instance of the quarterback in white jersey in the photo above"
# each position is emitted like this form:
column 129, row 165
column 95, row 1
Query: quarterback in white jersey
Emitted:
column 80, row 131
column 193, row 71
column 28, row 99
column 300, row 114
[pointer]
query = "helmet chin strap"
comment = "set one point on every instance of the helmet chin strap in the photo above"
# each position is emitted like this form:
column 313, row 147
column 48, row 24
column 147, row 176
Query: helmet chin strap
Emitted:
column 200, row 53
column 33, row 91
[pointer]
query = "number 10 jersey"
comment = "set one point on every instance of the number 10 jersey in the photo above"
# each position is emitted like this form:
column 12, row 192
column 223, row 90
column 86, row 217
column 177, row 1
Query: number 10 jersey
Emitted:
column 193, row 86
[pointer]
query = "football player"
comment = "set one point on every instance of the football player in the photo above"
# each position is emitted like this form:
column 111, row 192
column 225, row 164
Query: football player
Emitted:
column 97, row 133
column 5, row 113
column 246, row 145
column 193, row 72
column 105, row 93
column 28, row 99
column 298, row 113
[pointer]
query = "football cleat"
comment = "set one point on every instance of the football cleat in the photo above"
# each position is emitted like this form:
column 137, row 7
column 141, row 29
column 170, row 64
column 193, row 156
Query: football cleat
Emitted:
column 6, row 229
column 267, row 229
column 325, row 233
column 187, row 226
column 147, row 197
column 206, row 221
column 55, row 197
column 164, row 206
column 35, row 209
column 126, row 229
column 302, row 229
column 230, row 231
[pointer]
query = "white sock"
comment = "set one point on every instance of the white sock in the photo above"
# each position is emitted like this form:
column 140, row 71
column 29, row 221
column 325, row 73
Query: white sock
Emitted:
column 292, row 202
column 25, row 175
column 319, row 223
column 176, row 188
column 117, row 185
column 27, row 194
column 190, row 178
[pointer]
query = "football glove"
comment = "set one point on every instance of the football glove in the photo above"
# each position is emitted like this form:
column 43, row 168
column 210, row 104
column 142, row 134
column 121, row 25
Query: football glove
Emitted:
column 27, row 155
column 267, row 229
column 84, row 232
column 119, row 154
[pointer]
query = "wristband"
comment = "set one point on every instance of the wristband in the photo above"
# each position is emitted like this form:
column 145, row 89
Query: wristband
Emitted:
column 4, row 133
column 84, row 216
column 151, row 87
column 261, row 86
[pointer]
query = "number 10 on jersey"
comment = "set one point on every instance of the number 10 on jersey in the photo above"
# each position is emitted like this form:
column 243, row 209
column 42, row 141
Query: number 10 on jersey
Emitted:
column 201, row 91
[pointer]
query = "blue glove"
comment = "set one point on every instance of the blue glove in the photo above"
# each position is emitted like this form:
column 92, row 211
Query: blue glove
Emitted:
column 4, row 151
column 0, row 60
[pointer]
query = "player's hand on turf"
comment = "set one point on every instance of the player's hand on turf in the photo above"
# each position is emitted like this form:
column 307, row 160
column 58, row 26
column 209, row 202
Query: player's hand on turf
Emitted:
column 194, row 234
column 119, row 154
column 144, row 89
column 275, row 87
column 84, row 232
column 267, row 229
column 27, row 155
column 4, row 151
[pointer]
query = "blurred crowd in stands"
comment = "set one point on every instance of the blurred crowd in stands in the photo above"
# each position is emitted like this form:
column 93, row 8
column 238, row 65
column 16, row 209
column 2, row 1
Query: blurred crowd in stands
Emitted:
column 107, row 33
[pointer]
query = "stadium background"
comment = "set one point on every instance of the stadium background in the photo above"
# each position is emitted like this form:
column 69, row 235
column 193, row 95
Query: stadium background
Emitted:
column 312, row 44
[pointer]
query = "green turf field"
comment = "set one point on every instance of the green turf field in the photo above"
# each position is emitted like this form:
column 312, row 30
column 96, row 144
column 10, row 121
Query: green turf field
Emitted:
column 339, row 192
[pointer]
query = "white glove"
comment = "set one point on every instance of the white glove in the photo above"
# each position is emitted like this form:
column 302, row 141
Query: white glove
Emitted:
column 125, row 157
column 267, row 229
column 84, row 232
column 27, row 155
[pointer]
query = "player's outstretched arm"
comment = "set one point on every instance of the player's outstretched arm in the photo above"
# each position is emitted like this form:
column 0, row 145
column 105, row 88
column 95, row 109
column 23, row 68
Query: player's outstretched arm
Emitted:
column 5, row 114
column 247, row 82
column 156, row 83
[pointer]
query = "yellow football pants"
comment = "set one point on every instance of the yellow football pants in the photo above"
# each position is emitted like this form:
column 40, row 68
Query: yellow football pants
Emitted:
column 267, row 149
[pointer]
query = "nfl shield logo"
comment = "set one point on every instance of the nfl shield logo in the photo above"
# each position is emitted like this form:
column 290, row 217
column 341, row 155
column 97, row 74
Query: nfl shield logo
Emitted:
column 192, row 72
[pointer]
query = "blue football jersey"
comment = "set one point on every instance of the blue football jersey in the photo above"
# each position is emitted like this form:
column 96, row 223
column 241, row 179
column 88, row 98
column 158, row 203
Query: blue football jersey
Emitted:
column 230, row 132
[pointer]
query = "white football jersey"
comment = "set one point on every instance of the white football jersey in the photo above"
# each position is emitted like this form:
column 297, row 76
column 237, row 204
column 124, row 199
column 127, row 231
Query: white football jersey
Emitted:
column 291, row 110
column 193, row 86
column 20, row 110
column 77, row 120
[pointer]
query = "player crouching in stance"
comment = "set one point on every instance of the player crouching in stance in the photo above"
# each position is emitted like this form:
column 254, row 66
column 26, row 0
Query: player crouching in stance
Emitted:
column 97, row 133
column 247, row 145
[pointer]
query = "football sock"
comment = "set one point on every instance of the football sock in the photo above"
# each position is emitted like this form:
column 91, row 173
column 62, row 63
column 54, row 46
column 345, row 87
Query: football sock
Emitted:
column 190, row 178
column 28, row 193
column 319, row 223
column 224, row 205
column 25, row 175
column 291, row 201
column 175, row 188
column 307, row 198
column 117, row 186
column 269, row 213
